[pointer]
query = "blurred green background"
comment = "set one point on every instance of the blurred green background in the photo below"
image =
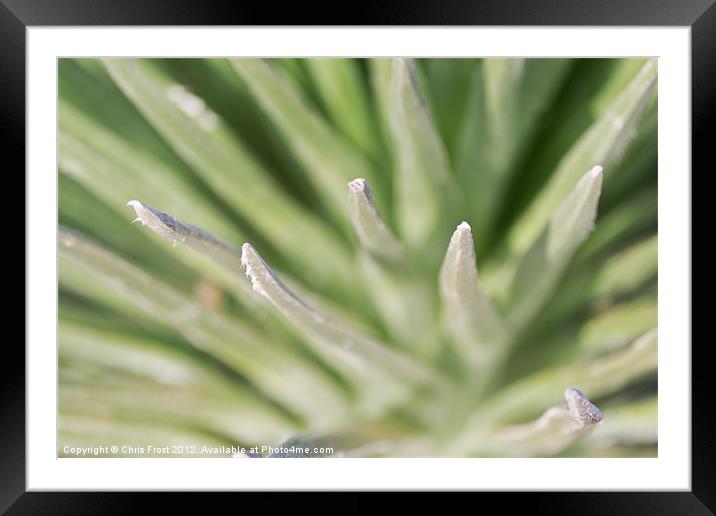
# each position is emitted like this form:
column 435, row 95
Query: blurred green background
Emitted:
column 162, row 345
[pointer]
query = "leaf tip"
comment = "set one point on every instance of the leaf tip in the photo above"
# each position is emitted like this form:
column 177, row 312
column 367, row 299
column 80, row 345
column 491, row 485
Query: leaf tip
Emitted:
column 462, row 236
column 137, row 207
column 592, row 182
column 358, row 185
column 158, row 221
column 464, row 227
column 580, row 409
column 246, row 250
column 142, row 211
column 249, row 260
column 596, row 172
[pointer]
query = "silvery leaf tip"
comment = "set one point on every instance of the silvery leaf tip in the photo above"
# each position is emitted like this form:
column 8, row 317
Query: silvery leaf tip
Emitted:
column 580, row 409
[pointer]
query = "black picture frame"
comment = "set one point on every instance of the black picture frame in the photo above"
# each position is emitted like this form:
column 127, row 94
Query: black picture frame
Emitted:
column 17, row 15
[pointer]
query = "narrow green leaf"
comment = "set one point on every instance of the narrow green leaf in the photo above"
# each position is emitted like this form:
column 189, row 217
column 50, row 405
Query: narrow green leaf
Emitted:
column 502, row 79
column 423, row 172
column 618, row 326
column 329, row 160
column 604, row 143
column 343, row 92
column 201, row 138
column 544, row 263
column 468, row 314
column 638, row 167
column 380, row 71
column 629, row 269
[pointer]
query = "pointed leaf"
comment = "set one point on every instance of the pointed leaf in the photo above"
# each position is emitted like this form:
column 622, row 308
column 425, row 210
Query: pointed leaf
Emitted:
column 423, row 189
column 604, row 143
column 468, row 313
column 544, row 263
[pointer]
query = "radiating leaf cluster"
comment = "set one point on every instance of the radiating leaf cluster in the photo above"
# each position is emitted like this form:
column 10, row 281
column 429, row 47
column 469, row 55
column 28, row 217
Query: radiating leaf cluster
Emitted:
column 393, row 257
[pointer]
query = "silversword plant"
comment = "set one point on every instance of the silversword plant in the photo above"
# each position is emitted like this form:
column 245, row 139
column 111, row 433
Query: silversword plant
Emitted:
column 302, row 273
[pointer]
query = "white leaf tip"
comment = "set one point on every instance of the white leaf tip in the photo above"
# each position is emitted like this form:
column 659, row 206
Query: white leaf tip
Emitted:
column 358, row 185
column 580, row 409
column 139, row 210
column 462, row 234
column 246, row 249
column 248, row 252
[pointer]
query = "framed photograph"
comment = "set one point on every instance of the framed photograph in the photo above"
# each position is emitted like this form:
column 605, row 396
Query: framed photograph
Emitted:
column 447, row 249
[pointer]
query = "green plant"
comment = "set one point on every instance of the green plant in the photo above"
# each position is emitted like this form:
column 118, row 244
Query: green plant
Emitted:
column 371, row 332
